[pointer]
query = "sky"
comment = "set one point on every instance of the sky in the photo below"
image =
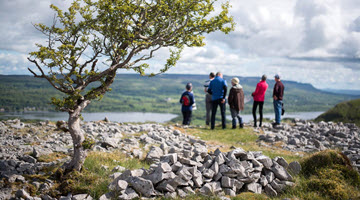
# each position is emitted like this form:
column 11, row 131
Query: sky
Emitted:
column 308, row 41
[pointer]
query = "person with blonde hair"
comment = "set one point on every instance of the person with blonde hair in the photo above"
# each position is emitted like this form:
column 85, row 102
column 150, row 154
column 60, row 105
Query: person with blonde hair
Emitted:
column 236, row 102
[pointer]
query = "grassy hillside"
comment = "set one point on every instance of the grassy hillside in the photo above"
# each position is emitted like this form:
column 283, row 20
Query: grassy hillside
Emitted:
column 130, row 92
column 348, row 111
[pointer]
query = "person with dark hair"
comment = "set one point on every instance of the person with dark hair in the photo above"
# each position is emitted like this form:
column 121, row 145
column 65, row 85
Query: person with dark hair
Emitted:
column 208, row 98
column 236, row 102
column 278, row 94
column 259, row 97
column 187, row 100
column 218, row 89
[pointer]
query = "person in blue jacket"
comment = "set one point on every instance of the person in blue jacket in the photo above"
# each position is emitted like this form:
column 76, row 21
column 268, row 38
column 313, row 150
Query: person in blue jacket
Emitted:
column 218, row 89
column 187, row 100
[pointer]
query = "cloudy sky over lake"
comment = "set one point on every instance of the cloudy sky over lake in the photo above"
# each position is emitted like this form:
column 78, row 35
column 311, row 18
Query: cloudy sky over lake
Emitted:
column 309, row 41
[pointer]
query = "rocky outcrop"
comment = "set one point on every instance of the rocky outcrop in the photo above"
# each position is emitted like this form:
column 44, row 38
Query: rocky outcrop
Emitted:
column 308, row 136
column 216, row 173
column 182, row 164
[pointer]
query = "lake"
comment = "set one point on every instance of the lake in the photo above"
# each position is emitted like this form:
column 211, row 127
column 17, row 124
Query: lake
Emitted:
column 138, row 116
column 112, row 116
column 271, row 116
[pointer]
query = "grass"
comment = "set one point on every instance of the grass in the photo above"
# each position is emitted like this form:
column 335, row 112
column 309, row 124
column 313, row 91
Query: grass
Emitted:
column 94, row 178
column 326, row 175
column 244, row 138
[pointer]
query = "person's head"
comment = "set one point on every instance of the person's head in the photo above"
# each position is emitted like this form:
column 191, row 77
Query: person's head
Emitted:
column 235, row 81
column 188, row 86
column 219, row 74
column 277, row 77
column 264, row 77
column 212, row 75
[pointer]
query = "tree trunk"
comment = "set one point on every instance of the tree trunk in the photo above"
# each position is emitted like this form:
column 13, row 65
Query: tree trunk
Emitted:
column 78, row 138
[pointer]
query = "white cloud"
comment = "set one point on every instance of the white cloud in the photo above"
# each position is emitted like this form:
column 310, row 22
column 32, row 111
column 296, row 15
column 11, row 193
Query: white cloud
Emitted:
column 312, row 41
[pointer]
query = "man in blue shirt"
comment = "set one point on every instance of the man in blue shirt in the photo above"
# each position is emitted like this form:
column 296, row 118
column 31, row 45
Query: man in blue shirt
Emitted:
column 218, row 89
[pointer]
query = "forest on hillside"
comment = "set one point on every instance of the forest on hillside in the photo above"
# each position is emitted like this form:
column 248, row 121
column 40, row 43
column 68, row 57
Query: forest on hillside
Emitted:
column 131, row 92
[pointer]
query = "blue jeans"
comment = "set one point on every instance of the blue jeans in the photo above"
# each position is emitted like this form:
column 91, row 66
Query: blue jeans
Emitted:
column 277, row 109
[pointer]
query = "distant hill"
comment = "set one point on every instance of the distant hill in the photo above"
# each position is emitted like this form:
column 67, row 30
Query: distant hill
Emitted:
column 131, row 92
column 348, row 111
column 347, row 92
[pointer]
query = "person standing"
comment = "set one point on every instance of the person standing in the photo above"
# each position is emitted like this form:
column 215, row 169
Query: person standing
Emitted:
column 218, row 89
column 187, row 100
column 208, row 98
column 259, row 97
column 236, row 102
column 278, row 94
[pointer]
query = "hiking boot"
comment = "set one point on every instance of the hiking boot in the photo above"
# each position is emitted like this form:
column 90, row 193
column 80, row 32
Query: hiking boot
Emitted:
column 241, row 126
column 255, row 125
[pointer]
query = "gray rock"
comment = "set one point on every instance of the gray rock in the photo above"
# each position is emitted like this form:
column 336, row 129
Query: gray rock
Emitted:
column 181, row 193
column 142, row 186
column 157, row 177
column 169, row 158
column 236, row 166
column 278, row 186
column 266, row 161
column 154, row 154
column 175, row 167
column 294, row 167
column 270, row 191
column 238, row 185
column 118, row 169
column 211, row 188
column 254, row 187
column 184, row 174
column 131, row 194
column 263, row 181
column 229, row 192
column 82, row 197
column 22, row 194
column 281, row 161
column 208, row 173
column 165, row 186
column 198, row 181
column 227, row 182
column 280, row 172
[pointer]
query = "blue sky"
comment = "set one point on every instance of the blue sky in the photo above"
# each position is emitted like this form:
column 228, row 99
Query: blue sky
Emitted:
column 309, row 41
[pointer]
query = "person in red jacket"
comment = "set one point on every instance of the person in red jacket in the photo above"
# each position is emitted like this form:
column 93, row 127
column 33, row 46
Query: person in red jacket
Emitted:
column 259, row 97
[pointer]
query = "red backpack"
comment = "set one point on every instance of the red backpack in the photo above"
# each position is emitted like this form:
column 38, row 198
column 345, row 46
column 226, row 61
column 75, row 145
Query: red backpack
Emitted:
column 185, row 100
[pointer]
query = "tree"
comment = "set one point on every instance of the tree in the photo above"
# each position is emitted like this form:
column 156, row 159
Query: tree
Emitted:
column 126, row 33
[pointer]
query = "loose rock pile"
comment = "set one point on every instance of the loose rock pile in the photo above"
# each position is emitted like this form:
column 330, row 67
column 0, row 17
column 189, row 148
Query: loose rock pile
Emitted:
column 308, row 136
column 182, row 163
column 218, row 173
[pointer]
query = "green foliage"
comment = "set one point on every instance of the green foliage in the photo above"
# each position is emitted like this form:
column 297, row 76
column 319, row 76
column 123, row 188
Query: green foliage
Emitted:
column 94, row 178
column 127, row 33
column 348, row 111
column 326, row 175
column 88, row 143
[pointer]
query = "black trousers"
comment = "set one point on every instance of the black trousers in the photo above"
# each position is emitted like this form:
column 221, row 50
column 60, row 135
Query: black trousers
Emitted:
column 215, row 105
column 186, row 117
column 261, row 105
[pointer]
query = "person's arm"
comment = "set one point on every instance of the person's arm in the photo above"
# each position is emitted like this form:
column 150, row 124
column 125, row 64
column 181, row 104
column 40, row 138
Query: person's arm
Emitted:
column 276, row 92
column 181, row 98
column 230, row 97
column 257, row 90
column 242, row 99
column 225, row 91
column 192, row 99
